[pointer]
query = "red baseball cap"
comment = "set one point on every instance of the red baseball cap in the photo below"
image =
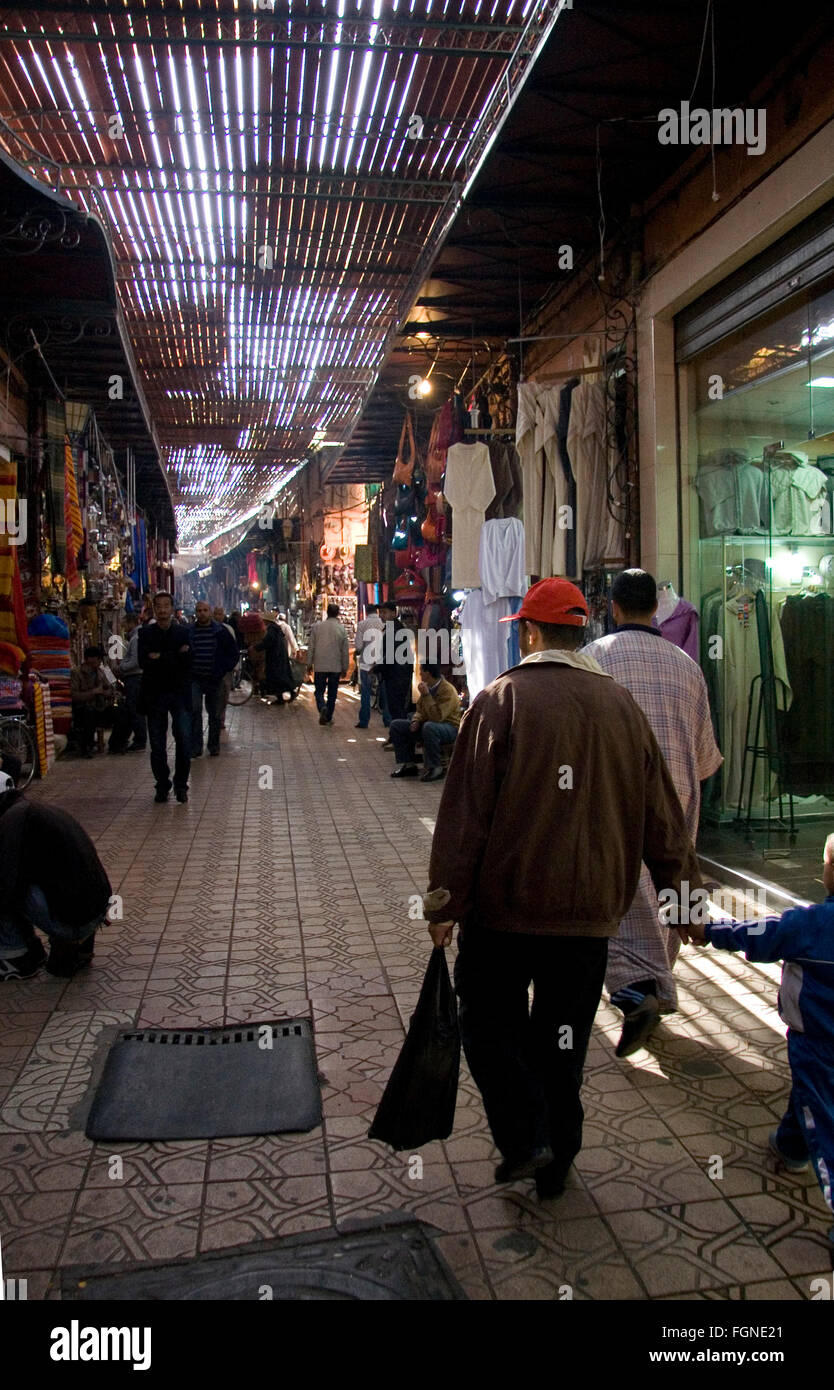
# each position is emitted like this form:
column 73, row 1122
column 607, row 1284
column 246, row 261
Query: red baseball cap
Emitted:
column 553, row 601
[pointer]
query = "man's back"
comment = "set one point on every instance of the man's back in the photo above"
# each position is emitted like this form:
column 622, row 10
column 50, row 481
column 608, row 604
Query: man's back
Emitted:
column 45, row 845
column 556, row 791
column 329, row 648
column 672, row 693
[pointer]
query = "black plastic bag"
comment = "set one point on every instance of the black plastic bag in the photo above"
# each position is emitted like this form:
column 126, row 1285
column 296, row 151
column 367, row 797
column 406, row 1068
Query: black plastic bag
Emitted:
column 418, row 1104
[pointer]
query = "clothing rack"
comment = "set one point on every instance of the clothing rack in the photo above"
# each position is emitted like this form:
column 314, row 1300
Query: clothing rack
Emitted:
column 493, row 434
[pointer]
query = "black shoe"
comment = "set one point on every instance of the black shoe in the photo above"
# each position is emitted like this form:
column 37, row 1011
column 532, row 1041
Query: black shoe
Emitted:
column 387, row 746
column 405, row 770
column 25, row 966
column 361, row 726
column 86, row 752
column 66, row 958
column 434, row 774
column 136, row 748
column 198, row 754
column 550, row 1181
column 637, row 1026
column 161, row 795
column 117, row 750
column 182, row 795
column 514, row 1168
column 214, row 752
column 323, row 717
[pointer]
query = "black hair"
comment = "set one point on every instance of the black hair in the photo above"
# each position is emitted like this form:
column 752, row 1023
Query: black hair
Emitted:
column 371, row 607
column 563, row 636
column 332, row 610
column 94, row 651
column 430, row 668
column 635, row 591
column 163, row 593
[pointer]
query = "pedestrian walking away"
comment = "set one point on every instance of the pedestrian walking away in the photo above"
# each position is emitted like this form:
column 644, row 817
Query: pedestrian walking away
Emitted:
column 165, row 658
column 556, row 791
column 214, row 655
column 328, row 657
column 672, row 693
column 278, row 679
column 366, row 649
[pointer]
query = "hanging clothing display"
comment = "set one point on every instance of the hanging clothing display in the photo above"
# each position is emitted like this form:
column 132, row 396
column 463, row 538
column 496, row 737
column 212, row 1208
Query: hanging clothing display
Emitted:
column 562, row 422
column 681, row 628
column 808, row 727
column 797, row 496
column 532, row 465
column 599, row 532
column 733, row 493
column 501, row 559
column 469, row 489
column 502, row 478
column 484, row 639
column 742, row 665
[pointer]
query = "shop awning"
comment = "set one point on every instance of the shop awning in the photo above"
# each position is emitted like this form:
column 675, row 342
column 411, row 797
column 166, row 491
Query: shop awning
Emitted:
column 62, row 326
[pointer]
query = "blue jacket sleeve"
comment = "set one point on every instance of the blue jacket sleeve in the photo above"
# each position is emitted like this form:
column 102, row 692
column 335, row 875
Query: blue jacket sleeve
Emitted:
column 800, row 933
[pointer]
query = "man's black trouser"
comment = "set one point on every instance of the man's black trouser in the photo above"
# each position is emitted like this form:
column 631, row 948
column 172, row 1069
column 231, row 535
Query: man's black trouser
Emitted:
column 398, row 694
column 528, row 1064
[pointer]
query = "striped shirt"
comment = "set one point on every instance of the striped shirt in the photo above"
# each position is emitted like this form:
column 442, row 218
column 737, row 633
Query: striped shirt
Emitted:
column 203, row 644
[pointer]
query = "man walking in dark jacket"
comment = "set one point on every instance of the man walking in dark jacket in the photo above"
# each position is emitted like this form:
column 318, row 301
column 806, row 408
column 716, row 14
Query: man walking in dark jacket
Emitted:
column 165, row 659
column 555, row 793
column 51, row 878
column 214, row 654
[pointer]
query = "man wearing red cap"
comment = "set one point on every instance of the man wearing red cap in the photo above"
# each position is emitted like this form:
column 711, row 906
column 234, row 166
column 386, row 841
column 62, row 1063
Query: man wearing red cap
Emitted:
column 557, row 790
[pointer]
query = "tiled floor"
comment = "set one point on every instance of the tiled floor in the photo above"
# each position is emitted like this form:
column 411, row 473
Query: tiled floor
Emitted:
column 258, row 901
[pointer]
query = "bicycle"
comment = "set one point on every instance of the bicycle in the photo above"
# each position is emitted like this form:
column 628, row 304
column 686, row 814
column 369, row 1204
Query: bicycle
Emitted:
column 242, row 683
column 17, row 740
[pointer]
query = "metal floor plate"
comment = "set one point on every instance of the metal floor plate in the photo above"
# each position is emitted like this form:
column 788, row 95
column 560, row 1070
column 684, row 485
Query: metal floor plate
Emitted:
column 386, row 1261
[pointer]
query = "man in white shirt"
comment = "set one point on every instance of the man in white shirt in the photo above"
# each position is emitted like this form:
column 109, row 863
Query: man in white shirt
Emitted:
column 366, row 648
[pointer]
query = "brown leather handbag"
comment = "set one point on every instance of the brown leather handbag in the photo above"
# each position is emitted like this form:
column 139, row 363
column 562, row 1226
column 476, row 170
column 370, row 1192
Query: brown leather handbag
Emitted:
column 406, row 453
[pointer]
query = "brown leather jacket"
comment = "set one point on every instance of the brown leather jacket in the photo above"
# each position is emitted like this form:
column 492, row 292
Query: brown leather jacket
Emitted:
column 556, row 791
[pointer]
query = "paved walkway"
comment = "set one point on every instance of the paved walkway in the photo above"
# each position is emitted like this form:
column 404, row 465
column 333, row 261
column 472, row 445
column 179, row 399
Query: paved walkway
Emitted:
column 252, row 903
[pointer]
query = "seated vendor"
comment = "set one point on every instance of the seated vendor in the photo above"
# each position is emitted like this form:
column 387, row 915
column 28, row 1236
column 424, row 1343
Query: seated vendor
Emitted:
column 94, row 705
column 435, row 722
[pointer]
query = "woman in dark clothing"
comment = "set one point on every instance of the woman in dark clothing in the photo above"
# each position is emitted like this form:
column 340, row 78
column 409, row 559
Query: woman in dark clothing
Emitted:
column 279, row 677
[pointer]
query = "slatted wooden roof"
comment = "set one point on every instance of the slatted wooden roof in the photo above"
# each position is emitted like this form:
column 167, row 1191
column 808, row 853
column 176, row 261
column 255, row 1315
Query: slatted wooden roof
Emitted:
column 276, row 178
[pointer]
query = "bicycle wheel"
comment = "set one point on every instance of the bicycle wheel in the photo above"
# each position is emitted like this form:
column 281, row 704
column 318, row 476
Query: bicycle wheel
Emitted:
column 242, row 687
column 16, row 740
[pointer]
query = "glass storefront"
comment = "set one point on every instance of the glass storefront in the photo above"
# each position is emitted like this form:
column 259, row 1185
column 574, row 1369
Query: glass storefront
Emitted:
column 757, row 458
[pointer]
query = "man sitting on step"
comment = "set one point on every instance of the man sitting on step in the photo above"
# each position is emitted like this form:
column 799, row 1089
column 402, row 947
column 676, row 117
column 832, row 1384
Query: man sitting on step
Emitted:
column 436, row 722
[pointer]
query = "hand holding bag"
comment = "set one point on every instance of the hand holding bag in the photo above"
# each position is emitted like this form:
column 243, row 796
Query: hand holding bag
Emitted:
column 418, row 1104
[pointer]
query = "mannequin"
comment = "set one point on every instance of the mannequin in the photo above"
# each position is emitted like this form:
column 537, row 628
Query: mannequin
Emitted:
column 667, row 601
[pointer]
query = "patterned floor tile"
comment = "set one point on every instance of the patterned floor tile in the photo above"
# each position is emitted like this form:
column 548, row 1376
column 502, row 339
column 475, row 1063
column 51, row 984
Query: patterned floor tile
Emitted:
column 241, row 1211
column 691, row 1246
column 127, row 1223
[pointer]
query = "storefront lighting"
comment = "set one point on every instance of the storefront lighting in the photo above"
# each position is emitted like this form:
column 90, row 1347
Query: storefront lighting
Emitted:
column 256, row 585
column 821, row 381
column 424, row 387
column 459, row 595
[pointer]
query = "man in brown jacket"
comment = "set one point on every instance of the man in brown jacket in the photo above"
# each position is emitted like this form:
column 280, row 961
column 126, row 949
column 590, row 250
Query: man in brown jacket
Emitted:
column 555, row 793
column 436, row 722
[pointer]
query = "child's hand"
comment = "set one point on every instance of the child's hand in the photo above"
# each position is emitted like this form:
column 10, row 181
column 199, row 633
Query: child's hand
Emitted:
column 693, row 932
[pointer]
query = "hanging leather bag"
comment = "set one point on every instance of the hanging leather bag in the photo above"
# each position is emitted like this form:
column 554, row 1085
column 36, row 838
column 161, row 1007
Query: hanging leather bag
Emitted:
column 406, row 453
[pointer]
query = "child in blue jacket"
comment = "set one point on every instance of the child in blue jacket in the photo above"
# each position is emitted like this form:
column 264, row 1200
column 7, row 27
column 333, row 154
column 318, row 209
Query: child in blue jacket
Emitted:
column 803, row 938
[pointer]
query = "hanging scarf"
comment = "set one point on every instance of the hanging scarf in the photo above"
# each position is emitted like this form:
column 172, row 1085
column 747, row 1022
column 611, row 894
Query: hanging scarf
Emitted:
column 72, row 523
column 12, row 608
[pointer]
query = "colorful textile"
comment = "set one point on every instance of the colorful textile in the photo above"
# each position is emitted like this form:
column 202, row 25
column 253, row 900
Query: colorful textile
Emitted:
column 44, row 727
column 12, row 611
column 72, row 523
column 50, row 655
column 56, row 483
